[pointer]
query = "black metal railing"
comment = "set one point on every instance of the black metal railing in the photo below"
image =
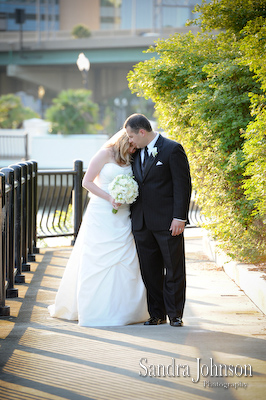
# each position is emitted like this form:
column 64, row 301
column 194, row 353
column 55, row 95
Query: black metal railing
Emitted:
column 61, row 201
column 17, row 227
column 195, row 217
column 19, row 202
column 14, row 147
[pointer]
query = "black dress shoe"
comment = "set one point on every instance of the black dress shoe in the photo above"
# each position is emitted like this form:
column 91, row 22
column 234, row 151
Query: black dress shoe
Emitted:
column 155, row 321
column 176, row 321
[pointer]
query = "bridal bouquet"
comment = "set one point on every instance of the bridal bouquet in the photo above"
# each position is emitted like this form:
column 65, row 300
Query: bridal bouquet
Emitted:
column 124, row 189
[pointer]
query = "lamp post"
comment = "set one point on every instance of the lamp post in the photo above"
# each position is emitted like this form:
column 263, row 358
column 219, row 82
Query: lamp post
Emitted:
column 20, row 18
column 41, row 93
column 84, row 66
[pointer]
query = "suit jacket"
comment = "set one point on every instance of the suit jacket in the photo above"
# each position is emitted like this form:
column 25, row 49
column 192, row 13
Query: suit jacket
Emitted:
column 164, row 189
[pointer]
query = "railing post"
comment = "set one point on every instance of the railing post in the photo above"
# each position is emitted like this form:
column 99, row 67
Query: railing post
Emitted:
column 10, row 224
column 35, row 204
column 31, row 256
column 77, row 200
column 25, row 265
column 19, row 278
column 4, row 310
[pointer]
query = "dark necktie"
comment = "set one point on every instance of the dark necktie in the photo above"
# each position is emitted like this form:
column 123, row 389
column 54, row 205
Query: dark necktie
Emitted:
column 145, row 158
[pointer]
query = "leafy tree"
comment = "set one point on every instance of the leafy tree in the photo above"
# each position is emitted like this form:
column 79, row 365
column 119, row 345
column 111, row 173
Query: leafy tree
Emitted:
column 201, row 96
column 73, row 112
column 12, row 112
column 80, row 31
column 229, row 15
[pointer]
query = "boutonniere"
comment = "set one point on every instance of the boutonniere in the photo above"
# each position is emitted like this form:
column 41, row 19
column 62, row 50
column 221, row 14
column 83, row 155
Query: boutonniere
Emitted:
column 154, row 152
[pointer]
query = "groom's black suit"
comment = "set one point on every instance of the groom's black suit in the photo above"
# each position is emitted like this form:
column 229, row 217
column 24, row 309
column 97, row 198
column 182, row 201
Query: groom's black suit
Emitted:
column 164, row 194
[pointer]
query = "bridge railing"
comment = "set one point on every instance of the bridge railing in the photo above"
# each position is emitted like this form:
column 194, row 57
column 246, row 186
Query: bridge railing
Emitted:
column 17, row 227
column 61, row 202
column 19, row 202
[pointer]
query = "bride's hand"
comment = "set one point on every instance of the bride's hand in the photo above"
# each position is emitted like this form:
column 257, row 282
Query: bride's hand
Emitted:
column 114, row 203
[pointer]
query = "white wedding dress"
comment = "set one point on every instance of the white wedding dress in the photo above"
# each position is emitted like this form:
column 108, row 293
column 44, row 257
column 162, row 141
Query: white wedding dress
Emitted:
column 102, row 284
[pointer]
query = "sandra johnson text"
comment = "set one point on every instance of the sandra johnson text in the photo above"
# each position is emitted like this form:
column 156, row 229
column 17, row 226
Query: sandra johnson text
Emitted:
column 210, row 369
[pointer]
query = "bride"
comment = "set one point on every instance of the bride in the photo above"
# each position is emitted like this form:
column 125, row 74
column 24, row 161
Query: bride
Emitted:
column 102, row 285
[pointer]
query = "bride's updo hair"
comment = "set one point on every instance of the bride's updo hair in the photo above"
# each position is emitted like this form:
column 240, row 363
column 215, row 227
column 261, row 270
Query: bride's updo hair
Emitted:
column 120, row 147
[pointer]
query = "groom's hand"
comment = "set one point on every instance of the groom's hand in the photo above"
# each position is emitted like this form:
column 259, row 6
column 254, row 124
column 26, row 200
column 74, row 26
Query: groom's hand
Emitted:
column 177, row 227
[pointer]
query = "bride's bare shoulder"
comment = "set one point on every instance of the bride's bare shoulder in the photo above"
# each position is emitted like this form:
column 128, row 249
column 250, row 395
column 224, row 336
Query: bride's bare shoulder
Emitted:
column 106, row 154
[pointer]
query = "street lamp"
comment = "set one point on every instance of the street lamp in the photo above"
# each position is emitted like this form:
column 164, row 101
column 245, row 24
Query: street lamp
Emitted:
column 41, row 93
column 84, row 66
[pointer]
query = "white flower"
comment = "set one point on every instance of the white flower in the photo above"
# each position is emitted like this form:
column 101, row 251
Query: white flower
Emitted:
column 154, row 152
column 124, row 189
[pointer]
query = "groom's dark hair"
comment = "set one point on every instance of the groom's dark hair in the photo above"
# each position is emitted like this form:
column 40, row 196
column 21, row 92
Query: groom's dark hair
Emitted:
column 137, row 122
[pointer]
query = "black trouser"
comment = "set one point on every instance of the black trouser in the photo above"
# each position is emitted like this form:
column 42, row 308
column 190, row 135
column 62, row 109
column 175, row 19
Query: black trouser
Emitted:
column 162, row 263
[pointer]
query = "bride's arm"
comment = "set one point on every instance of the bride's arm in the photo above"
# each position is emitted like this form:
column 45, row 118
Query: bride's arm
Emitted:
column 102, row 157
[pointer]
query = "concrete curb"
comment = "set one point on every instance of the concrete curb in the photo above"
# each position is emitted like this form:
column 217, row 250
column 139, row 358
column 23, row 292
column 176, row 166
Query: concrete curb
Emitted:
column 250, row 281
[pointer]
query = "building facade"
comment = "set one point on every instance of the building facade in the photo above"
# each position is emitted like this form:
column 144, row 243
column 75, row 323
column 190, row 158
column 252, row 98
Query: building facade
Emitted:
column 62, row 15
column 37, row 48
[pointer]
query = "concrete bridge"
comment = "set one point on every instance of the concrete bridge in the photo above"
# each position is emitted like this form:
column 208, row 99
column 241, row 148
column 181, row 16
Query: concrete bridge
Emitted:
column 52, row 62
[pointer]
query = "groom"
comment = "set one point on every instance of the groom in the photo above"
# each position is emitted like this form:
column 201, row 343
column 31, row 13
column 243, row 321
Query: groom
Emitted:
column 158, row 217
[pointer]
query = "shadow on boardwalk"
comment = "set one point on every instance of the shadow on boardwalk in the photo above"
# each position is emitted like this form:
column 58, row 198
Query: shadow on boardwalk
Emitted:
column 46, row 358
